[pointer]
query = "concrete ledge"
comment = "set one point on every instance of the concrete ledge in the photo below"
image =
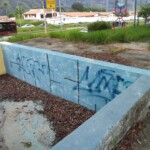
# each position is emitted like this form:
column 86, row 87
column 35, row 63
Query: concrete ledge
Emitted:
column 111, row 122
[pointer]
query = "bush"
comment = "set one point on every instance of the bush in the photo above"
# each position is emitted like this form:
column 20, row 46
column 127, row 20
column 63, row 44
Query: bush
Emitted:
column 100, row 25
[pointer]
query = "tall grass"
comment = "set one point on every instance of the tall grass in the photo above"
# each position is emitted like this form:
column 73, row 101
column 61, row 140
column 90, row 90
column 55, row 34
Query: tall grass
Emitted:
column 37, row 28
column 22, row 22
column 141, row 33
column 26, row 36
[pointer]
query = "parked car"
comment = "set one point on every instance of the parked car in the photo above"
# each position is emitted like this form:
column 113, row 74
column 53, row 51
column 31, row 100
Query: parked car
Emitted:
column 27, row 26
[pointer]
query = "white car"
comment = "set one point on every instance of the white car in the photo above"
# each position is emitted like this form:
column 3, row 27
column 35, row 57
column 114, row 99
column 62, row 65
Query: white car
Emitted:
column 27, row 26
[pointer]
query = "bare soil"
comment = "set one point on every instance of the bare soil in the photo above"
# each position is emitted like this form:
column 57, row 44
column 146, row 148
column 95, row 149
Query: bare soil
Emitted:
column 131, row 54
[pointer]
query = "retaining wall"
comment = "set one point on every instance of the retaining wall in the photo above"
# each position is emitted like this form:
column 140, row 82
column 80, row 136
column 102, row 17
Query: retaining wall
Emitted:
column 90, row 83
column 84, row 81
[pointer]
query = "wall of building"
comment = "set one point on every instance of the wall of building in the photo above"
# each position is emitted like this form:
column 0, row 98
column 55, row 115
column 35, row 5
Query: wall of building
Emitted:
column 88, row 82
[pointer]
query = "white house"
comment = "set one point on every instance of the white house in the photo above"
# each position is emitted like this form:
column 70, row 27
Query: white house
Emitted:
column 53, row 17
column 38, row 14
column 81, row 17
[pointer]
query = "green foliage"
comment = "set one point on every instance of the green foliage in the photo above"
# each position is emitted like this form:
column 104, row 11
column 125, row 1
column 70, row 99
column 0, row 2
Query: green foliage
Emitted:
column 62, row 9
column 71, row 35
column 18, row 13
column 77, row 6
column 100, row 25
column 27, row 144
column 22, row 22
column 145, row 11
column 11, row 15
column 25, row 36
column 88, row 9
column 141, row 33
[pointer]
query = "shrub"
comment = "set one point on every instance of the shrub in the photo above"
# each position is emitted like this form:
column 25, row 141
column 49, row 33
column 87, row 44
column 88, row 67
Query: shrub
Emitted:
column 100, row 25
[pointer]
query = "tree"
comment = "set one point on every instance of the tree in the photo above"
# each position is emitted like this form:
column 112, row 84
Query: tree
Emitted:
column 19, row 12
column 5, row 6
column 145, row 12
column 77, row 7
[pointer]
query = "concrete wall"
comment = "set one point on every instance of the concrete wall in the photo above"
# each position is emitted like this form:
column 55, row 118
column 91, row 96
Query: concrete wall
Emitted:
column 2, row 65
column 85, row 81
column 90, row 83
column 103, row 130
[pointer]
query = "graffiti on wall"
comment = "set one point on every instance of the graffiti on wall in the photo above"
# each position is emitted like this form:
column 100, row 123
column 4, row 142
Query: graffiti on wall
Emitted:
column 103, row 84
column 33, row 67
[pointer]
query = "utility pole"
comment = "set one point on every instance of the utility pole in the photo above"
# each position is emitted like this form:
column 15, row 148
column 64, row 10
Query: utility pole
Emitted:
column 135, row 7
column 60, row 14
column 138, row 21
column 44, row 14
column 107, row 5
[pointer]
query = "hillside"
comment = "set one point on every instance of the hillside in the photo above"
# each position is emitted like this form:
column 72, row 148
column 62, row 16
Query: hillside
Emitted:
column 27, row 4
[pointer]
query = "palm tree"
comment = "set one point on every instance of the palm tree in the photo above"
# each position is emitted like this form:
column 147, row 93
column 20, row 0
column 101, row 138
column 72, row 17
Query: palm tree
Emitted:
column 5, row 6
column 19, row 12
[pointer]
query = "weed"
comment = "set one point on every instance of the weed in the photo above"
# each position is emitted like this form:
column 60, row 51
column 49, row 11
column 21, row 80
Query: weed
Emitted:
column 27, row 144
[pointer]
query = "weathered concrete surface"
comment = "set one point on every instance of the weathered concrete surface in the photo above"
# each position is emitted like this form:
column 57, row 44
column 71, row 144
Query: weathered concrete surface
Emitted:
column 73, row 78
column 21, row 127
column 111, row 123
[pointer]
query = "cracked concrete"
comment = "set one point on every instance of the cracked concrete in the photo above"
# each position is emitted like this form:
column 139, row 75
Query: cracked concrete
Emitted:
column 22, row 127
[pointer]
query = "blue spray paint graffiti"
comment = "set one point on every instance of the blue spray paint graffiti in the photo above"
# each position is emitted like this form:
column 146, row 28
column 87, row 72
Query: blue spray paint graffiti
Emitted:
column 106, row 84
column 93, row 88
column 30, row 66
column 33, row 68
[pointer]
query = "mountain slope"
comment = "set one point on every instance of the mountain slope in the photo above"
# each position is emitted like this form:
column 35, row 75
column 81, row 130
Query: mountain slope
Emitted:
column 28, row 4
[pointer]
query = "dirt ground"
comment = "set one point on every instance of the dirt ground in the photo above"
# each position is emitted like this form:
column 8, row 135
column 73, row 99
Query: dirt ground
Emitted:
column 136, row 54
column 131, row 54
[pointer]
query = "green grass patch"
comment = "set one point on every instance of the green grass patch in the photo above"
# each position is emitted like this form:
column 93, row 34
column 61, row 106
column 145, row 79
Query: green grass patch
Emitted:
column 25, row 36
column 38, row 28
column 21, row 22
column 141, row 33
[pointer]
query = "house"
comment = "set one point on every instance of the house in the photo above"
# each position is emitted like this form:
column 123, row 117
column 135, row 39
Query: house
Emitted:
column 87, row 14
column 38, row 14
column 4, row 18
column 81, row 17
